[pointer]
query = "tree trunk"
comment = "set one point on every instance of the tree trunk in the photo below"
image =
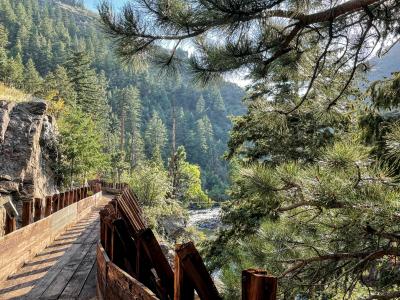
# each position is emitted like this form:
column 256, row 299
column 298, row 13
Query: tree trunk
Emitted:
column 133, row 148
column 173, row 162
column 122, row 141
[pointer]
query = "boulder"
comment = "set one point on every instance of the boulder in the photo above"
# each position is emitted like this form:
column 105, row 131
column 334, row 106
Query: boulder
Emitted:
column 172, row 226
column 28, row 151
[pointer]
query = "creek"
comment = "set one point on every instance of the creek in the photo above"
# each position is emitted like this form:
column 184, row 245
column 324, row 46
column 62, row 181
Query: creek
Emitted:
column 205, row 219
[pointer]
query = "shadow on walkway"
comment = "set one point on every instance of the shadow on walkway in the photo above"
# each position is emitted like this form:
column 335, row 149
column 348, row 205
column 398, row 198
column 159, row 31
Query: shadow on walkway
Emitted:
column 50, row 274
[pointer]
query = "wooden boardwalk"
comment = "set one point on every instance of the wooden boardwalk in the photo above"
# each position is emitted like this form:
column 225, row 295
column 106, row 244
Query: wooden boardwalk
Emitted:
column 64, row 270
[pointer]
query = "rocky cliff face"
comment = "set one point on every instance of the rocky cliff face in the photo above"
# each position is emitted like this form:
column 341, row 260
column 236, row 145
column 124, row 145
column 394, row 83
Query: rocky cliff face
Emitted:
column 27, row 155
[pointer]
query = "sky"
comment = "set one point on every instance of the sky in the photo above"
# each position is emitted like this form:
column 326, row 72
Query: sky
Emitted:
column 383, row 67
column 92, row 4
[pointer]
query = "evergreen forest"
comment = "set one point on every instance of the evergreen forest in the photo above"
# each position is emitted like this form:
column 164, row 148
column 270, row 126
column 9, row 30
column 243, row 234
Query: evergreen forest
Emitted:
column 56, row 50
column 304, row 162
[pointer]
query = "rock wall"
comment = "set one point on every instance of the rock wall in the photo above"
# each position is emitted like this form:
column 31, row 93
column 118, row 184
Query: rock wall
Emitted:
column 28, row 154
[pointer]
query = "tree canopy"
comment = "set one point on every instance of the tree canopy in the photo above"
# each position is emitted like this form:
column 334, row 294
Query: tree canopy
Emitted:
column 257, row 37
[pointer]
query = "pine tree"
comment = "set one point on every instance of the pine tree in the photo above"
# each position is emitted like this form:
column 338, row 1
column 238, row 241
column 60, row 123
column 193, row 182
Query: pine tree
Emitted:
column 58, row 85
column 3, row 52
column 218, row 102
column 3, row 36
column 90, row 92
column 134, row 110
column 32, row 80
column 81, row 147
column 200, row 106
column 15, row 72
column 186, row 186
column 156, row 138
column 205, row 134
column 128, row 107
column 4, row 64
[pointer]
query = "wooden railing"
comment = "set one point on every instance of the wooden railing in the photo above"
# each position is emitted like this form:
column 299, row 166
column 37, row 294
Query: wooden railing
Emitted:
column 34, row 210
column 131, row 264
column 44, row 221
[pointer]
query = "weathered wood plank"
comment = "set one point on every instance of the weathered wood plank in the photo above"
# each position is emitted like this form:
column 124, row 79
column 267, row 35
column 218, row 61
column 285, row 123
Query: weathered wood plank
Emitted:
column 193, row 266
column 183, row 287
column 38, row 210
column 129, row 250
column 49, row 204
column 88, row 291
column 11, row 224
column 120, row 285
column 51, row 275
column 102, row 260
column 75, row 285
column 27, row 213
column 158, row 260
column 56, row 287
column 258, row 285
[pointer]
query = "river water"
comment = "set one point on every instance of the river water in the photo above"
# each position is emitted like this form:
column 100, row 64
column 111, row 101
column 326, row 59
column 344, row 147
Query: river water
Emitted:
column 205, row 219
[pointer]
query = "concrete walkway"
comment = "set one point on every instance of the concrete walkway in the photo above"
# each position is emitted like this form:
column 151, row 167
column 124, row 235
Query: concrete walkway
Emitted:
column 64, row 270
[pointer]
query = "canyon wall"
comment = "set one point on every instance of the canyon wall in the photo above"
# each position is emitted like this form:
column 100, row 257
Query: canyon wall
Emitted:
column 28, row 153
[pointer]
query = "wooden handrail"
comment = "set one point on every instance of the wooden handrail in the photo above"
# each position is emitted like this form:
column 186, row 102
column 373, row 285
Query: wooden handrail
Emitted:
column 192, row 268
column 132, row 246
column 36, row 209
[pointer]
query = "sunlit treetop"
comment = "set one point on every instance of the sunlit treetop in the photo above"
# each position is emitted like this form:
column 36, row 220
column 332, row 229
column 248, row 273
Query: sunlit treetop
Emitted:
column 257, row 37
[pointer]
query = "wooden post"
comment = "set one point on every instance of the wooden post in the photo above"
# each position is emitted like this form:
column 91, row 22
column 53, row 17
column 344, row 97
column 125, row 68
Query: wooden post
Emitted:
column 49, row 203
column 108, row 238
column 258, row 285
column 38, row 210
column 117, row 249
column 56, row 203
column 143, row 265
column 158, row 261
column 80, row 194
column 74, row 196
column 11, row 224
column 102, row 230
column 66, row 199
column 70, row 197
column 128, row 247
column 183, row 287
column 27, row 208
column 60, row 201
column 85, row 192
column 193, row 266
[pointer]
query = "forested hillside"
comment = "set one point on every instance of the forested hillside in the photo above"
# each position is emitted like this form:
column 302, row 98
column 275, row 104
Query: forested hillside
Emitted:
column 314, row 198
column 55, row 50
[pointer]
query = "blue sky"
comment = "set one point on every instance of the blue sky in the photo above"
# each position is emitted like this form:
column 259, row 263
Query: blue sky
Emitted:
column 92, row 4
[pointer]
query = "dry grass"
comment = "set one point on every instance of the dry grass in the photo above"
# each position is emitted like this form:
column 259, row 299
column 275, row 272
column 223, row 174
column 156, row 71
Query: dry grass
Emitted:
column 12, row 94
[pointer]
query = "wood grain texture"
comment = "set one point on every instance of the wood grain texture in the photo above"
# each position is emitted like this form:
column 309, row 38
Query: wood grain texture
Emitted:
column 193, row 266
column 64, row 269
column 114, row 283
column 183, row 287
column 258, row 285
column 24, row 243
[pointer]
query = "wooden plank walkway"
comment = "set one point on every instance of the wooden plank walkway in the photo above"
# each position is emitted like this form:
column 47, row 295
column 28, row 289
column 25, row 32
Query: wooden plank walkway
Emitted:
column 64, row 270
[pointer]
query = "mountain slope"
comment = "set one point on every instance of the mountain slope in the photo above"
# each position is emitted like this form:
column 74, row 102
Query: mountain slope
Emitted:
column 48, row 32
